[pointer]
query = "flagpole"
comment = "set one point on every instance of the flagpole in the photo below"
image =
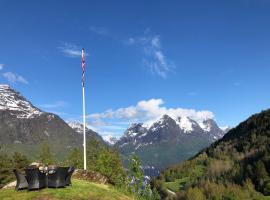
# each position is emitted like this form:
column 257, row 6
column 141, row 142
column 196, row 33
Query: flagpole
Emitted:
column 84, row 139
column 83, row 96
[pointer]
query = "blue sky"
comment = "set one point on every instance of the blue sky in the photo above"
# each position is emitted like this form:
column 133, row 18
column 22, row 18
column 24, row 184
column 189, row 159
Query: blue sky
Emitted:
column 202, row 55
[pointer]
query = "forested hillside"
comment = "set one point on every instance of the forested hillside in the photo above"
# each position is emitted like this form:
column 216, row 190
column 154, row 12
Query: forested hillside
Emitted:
column 235, row 167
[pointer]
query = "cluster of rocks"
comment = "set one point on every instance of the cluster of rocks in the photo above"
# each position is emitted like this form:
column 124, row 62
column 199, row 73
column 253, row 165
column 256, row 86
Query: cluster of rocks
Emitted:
column 90, row 176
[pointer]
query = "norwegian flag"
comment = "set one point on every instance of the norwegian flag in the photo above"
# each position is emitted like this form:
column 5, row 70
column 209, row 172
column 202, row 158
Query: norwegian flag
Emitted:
column 83, row 67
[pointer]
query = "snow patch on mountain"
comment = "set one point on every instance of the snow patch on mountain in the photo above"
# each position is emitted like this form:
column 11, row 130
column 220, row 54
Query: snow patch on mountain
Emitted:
column 14, row 101
column 111, row 140
column 131, row 133
column 77, row 126
column 139, row 135
column 205, row 125
column 185, row 124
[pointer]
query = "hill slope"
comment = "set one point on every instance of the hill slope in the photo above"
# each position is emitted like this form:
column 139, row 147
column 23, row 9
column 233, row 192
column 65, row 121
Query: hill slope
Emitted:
column 234, row 166
column 23, row 127
column 80, row 190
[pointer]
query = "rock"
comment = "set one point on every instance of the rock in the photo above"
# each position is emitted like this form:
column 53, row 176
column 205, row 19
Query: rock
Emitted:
column 90, row 176
column 10, row 185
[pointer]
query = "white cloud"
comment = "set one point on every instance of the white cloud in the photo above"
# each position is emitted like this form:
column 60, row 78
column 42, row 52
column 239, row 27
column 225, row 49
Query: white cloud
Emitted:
column 155, row 42
column 71, row 50
column 130, row 41
column 154, row 57
column 1, row 66
column 14, row 78
column 100, row 30
column 57, row 104
column 149, row 111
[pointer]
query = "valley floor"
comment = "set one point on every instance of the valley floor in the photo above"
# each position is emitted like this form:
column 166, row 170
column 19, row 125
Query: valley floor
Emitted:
column 80, row 190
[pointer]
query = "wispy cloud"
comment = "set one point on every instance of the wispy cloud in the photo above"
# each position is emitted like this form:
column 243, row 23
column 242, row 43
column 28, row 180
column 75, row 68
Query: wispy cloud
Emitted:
column 150, row 44
column 115, row 122
column 1, row 66
column 71, row 50
column 14, row 78
column 154, row 57
column 100, row 31
column 57, row 104
column 148, row 111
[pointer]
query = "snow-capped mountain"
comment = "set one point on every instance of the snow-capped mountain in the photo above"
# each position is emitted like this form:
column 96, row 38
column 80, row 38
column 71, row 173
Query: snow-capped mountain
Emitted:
column 109, row 139
column 78, row 127
column 168, row 140
column 24, row 126
column 226, row 129
column 15, row 103
column 167, row 128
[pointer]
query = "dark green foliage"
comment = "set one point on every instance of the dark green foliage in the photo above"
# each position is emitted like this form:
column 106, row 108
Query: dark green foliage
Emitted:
column 266, row 187
column 45, row 155
column 5, row 169
column 135, row 172
column 93, row 149
column 101, row 159
column 20, row 161
column 8, row 163
column 231, row 168
column 109, row 164
column 136, row 180
column 75, row 158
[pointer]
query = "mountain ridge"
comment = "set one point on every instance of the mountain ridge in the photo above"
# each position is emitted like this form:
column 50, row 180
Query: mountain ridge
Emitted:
column 23, row 127
column 167, row 140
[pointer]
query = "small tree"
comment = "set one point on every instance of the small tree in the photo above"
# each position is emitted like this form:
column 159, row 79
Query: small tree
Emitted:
column 194, row 194
column 20, row 161
column 45, row 154
column 109, row 164
column 155, row 195
column 75, row 158
column 136, row 175
column 93, row 149
column 266, row 189
column 6, row 174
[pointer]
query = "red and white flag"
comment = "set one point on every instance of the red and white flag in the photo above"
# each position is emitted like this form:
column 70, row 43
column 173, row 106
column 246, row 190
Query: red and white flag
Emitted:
column 83, row 66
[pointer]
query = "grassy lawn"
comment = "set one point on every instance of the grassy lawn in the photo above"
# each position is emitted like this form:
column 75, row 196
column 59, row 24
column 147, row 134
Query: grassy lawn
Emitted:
column 175, row 185
column 78, row 191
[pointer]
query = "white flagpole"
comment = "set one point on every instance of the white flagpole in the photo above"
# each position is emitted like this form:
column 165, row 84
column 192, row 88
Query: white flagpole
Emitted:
column 84, row 139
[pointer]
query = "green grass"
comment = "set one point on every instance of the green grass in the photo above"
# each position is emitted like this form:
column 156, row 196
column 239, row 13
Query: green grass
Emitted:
column 175, row 185
column 80, row 190
column 178, row 184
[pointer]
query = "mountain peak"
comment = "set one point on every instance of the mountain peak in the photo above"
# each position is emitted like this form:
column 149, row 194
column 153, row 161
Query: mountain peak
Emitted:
column 109, row 139
column 77, row 126
column 134, row 130
column 4, row 86
column 186, row 124
column 16, row 104
column 207, row 124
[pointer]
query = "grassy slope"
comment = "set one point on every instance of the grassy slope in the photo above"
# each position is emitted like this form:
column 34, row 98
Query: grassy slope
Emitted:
column 78, row 191
column 175, row 185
